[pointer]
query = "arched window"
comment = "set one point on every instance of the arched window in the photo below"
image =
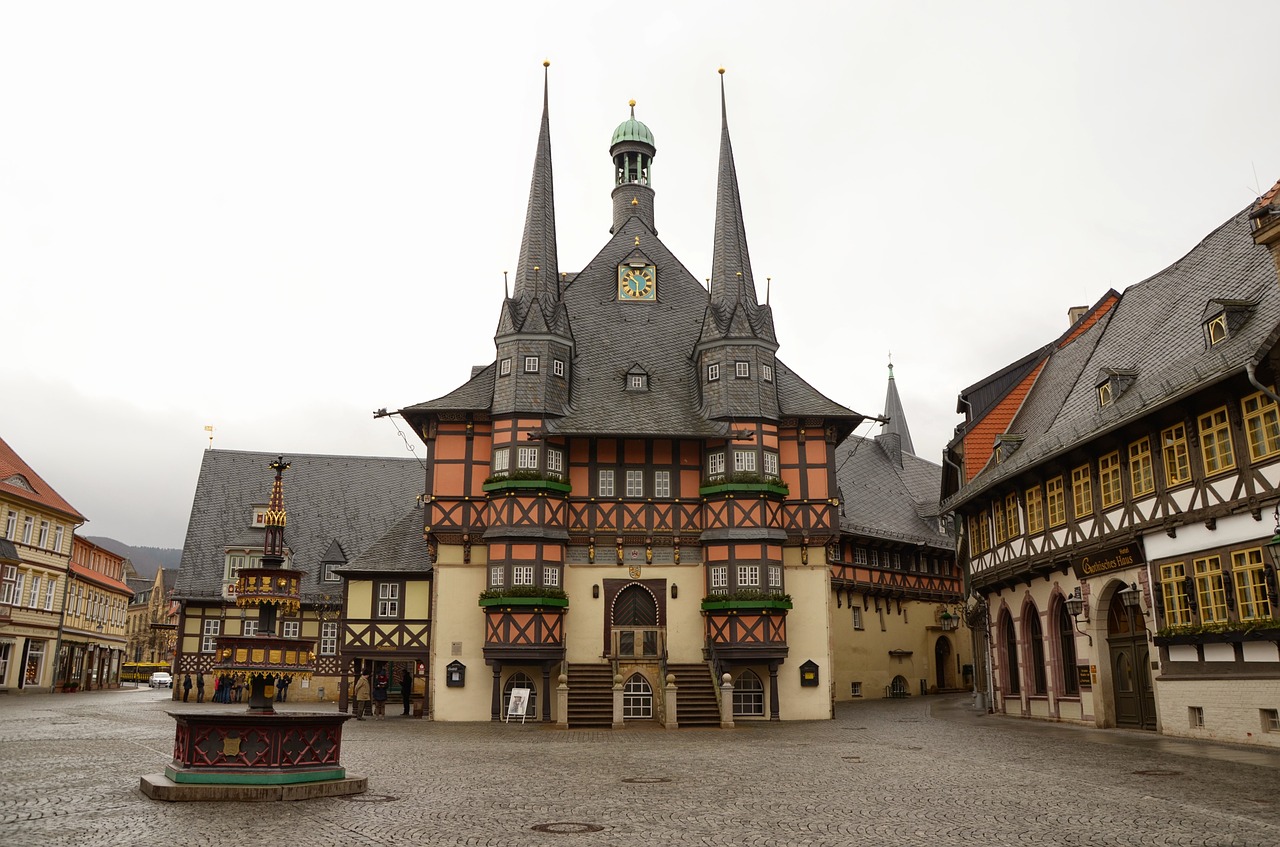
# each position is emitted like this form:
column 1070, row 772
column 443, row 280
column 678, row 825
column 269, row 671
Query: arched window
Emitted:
column 898, row 688
column 1035, row 636
column 748, row 696
column 519, row 680
column 1067, row 649
column 1012, row 682
column 637, row 698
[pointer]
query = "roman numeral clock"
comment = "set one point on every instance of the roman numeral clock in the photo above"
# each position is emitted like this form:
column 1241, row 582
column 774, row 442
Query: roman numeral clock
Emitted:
column 637, row 281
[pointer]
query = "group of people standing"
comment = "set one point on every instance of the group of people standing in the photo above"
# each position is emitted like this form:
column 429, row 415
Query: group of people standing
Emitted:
column 228, row 689
column 371, row 691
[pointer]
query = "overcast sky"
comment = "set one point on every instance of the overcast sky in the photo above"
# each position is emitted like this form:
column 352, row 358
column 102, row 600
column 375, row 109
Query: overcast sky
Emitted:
column 275, row 218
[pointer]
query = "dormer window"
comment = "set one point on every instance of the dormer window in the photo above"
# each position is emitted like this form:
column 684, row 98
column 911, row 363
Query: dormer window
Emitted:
column 1006, row 446
column 1223, row 318
column 637, row 379
column 1112, row 383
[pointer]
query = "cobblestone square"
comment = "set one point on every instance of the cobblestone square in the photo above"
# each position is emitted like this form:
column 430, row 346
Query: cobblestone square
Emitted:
column 920, row 771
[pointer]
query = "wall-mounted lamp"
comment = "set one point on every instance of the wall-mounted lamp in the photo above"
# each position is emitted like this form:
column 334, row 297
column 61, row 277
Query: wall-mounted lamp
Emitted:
column 595, row 592
column 1273, row 547
column 675, row 591
column 1131, row 597
column 949, row 621
column 1076, row 607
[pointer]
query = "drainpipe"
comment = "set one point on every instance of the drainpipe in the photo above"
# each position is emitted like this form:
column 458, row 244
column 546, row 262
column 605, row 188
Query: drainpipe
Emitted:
column 1250, row 370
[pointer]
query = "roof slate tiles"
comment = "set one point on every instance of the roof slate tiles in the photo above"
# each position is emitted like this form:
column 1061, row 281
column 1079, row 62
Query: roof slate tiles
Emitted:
column 882, row 500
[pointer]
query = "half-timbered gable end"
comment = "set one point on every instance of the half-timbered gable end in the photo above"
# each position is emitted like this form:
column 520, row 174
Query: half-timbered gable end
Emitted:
column 1138, row 502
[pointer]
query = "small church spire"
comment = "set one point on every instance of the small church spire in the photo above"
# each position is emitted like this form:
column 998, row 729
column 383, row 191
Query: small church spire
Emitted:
column 273, row 543
column 896, row 418
column 538, row 243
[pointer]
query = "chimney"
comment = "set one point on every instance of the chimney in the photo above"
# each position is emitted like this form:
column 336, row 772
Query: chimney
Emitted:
column 1075, row 313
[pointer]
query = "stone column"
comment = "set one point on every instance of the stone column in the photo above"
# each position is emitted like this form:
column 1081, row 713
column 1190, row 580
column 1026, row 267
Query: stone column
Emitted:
column 726, row 701
column 618, row 722
column 562, row 703
column 672, row 722
column 495, row 707
column 546, row 691
column 773, row 692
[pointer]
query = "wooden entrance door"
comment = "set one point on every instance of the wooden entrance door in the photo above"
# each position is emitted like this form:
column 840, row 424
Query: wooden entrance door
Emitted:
column 1130, row 667
column 634, row 626
column 942, row 663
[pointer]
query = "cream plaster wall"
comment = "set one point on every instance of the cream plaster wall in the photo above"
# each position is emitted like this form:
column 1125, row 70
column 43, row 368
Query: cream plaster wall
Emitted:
column 458, row 619
column 808, row 638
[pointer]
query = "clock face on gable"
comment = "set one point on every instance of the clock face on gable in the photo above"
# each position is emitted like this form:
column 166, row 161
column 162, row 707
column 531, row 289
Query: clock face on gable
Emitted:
column 637, row 282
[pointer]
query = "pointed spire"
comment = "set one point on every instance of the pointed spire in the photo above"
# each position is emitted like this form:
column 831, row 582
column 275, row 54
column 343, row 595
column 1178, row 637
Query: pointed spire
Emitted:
column 273, row 543
column 730, row 262
column 897, row 424
column 538, row 244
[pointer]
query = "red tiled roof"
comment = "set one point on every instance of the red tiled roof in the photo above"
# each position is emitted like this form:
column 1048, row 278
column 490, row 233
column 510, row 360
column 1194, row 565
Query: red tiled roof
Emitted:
column 44, row 495
column 1104, row 305
column 1265, row 199
column 981, row 440
column 90, row 575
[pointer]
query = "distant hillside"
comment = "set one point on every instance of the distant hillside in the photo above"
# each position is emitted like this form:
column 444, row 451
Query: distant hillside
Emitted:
column 146, row 560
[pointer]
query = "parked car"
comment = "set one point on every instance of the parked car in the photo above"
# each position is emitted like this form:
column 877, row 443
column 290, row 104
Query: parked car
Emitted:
column 160, row 679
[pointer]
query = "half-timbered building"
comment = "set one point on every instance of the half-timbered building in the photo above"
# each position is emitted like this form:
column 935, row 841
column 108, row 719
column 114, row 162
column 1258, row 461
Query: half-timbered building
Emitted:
column 636, row 487
column 339, row 507
column 897, row 623
column 1116, row 492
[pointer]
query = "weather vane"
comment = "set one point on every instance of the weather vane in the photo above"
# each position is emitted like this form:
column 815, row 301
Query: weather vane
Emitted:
column 209, row 430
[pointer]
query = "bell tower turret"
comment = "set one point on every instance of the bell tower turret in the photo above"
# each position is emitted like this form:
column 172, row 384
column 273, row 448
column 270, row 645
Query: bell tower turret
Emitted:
column 633, row 151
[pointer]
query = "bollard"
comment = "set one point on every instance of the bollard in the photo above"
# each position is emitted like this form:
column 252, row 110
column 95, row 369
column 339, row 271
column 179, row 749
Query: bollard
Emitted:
column 671, row 723
column 562, row 703
column 618, row 722
column 726, row 702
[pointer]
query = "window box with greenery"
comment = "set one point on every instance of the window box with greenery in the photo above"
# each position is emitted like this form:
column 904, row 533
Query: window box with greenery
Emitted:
column 528, row 480
column 744, row 483
column 746, row 600
column 1262, row 629
column 524, row 596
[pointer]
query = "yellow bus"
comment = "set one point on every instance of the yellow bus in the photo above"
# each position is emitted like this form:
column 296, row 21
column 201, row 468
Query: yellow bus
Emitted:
column 141, row 671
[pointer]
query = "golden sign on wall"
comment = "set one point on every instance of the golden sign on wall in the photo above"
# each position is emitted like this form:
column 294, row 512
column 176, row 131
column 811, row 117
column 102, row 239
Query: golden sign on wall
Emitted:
column 1110, row 559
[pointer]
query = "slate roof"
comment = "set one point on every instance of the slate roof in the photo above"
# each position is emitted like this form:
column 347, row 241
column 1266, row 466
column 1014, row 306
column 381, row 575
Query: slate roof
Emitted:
column 353, row 500
column 1156, row 330
column 896, row 417
column 880, row 499
column 8, row 553
column 401, row 550
column 41, row 493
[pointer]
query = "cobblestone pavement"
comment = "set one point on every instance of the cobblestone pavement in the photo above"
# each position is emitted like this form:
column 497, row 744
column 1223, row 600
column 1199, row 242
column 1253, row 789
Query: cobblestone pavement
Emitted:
column 922, row 771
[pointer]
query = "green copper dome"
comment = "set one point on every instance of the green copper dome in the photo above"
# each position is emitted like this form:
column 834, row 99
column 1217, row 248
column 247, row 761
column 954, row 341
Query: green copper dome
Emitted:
column 632, row 130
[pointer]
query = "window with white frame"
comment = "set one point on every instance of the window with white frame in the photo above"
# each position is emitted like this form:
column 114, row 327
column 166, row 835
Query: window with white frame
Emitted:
column 522, row 575
column 234, row 564
column 291, row 628
column 635, row 483
column 44, row 534
column 875, row 558
column 209, row 636
column 857, row 616
column 742, row 370
column 766, row 373
column 17, row 587
column 859, row 555
column 713, row 373
column 497, row 577
column 49, row 588
column 555, row 460
column 502, row 460
column 527, row 458
column 744, row 461
column 34, row 597
column 6, row 650
column 604, row 488
column 57, row 539
column 249, row 628
column 388, row 599
column 557, row 367
column 775, row 576
column 770, row 464
column 662, row 483
column 748, row 576
column 855, row 688
column 550, row 576
column 329, row 575
column 635, row 382
column 719, row 579
column 531, row 364
column 329, row 638
column 504, row 367
column 10, row 579
column 11, row 525
column 28, row 524
column 715, row 465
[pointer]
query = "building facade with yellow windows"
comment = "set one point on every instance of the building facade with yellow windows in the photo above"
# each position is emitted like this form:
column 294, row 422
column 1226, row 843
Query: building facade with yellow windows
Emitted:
column 1117, row 492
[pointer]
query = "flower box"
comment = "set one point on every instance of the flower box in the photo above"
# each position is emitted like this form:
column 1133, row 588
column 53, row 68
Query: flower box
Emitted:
column 744, row 605
column 743, row 488
column 525, row 602
column 528, row 485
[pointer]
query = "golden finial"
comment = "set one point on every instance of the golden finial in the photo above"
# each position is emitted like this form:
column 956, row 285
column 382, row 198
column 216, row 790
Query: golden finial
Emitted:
column 722, row 71
column 546, row 63
column 739, row 272
column 632, row 103
column 637, row 241
column 635, row 202
column 536, row 268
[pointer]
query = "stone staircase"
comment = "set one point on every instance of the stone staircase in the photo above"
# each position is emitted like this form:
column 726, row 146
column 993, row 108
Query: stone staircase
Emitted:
column 696, row 701
column 590, row 696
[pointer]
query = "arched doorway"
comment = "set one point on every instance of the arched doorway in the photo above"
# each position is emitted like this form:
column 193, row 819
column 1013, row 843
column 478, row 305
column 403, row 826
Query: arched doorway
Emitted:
column 637, row 698
column 942, row 663
column 521, row 680
column 1130, row 666
column 634, row 624
column 748, row 696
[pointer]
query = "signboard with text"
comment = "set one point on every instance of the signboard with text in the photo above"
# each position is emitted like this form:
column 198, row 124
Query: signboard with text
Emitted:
column 1108, row 560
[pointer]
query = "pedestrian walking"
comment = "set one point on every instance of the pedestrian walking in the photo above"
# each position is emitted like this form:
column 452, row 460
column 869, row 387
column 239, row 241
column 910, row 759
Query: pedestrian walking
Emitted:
column 186, row 687
column 406, row 690
column 380, row 697
column 199, row 688
column 237, row 688
column 361, row 694
column 282, row 690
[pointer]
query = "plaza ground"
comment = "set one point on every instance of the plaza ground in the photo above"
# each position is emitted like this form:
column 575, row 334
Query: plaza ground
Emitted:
column 920, row 771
